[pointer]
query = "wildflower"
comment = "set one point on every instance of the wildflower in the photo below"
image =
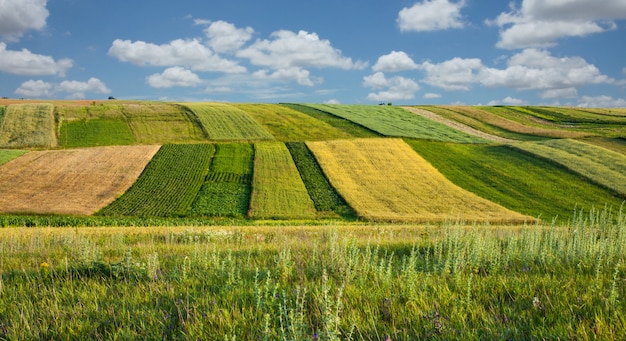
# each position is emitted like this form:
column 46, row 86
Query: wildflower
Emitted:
column 537, row 303
column 44, row 265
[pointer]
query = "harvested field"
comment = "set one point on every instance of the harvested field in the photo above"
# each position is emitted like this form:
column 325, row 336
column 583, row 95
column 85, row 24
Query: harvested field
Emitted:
column 28, row 125
column 7, row 155
column 385, row 180
column 72, row 181
column 456, row 125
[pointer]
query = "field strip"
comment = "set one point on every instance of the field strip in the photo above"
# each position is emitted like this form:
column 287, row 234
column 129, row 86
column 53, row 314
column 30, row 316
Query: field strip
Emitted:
column 28, row 125
column 225, row 122
column 277, row 188
column 600, row 165
column 456, row 125
column 72, row 181
column 385, row 180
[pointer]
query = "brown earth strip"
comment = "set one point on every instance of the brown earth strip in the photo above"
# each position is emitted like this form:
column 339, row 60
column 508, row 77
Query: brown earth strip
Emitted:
column 71, row 181
column 458, row 126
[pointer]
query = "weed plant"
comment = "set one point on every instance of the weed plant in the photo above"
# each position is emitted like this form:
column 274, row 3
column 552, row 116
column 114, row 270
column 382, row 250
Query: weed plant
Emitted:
column 448, row 282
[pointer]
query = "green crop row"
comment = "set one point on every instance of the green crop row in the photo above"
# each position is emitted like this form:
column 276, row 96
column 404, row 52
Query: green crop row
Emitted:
column 395, row 121
column 95, row 132
column 602, row 166
column 324, row 196
column 277, row 188
column 515, row 179
column 225, row 122
column 287, row 124
column 348, row 126
column 226, row 190
column 168, row 185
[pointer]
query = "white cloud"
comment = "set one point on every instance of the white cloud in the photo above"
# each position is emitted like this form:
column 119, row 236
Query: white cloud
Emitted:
column 188, row 53
column 34, row 89
column 540, row 23
column 286, row 49
column 225, row 37
column 539, row 70
column 19, row 16
column 392, row 89
column 601, row 102
column 301, row 76
column 333, row 101
column 507, row 101
column 431, row 15
column 431, row 95
column 560, row 93
column 26, row 63
column 174, row 77
column 454, row 74
column 77, row 89
column 394, row 62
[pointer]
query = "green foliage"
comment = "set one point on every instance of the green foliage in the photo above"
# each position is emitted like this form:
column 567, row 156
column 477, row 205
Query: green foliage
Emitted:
column 287, row 124
column 348, row 126
column 28, row 125
column 450, row 282
column 515, row 179
column 95, row 132
column 8, row 155
column 226, row 191
column 168, row 185
column 277, row 188
column 395, row 121
column 324, row 196
column 602, row 166
column 224, row 122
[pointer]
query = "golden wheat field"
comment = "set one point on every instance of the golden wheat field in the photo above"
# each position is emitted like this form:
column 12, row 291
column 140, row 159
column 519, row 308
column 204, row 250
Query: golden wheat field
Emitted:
column 384, row 179
column 71, row 181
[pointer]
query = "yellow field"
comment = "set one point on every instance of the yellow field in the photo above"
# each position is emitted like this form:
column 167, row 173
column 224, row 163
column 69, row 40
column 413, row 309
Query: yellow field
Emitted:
column 28, row 125
column 385, row 180
column 71, row 181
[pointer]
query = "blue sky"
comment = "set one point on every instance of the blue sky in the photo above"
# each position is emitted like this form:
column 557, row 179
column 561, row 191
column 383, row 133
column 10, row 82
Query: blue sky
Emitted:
column 527, row 52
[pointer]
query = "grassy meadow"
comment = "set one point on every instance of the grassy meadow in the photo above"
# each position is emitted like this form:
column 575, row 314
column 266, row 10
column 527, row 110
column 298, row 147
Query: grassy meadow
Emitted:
column 224, row 122
column 28, row 125
column 365, row 282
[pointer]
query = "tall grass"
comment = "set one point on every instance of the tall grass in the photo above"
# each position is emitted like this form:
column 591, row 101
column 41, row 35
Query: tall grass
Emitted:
column 454, row 282
column 28, row 125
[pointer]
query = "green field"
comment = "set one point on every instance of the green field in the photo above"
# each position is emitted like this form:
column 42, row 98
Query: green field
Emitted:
column 348, row 126
column 277, row 188
column 95, row 132
column 161, row 123
column 28, row 125
column 226, row 191
column 398, row 122
column 516, row 180
column 600, row 165
column 8, row 155
column 224, row 122
column 286, row 124
column 168, row 185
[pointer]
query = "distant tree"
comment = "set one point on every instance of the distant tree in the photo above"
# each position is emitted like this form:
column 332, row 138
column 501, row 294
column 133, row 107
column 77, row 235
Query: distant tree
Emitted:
column 111, row 97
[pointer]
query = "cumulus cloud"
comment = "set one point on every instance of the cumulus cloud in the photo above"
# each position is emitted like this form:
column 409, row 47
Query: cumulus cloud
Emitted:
column 540, row 23
column 19, row 16
column 77, row 89
column 34, row 89
column 391, row 89
column 225, row 37
column 74, row 89
column 431, row 95
column 601, row 102
column 301, row 76
column 431, row 15
column 26, row 63
column 394, row 62
column 189, row 53
column 507, row 101
column 454, row 74
column 174, row 77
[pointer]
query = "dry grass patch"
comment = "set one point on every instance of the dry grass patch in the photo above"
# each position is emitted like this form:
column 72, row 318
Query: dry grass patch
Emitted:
column 385, row 180
column 72, row 181
column 28, row 125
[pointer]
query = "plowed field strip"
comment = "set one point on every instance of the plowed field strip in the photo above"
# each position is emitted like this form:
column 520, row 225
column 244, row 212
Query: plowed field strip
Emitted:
column 73, row 181
column 385, row 180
